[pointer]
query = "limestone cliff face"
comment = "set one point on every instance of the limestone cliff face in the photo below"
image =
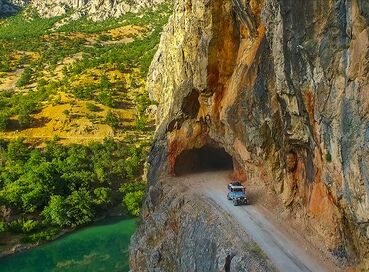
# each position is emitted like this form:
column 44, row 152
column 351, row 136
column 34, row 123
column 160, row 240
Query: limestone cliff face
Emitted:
column 95, row 10
column 283, row 86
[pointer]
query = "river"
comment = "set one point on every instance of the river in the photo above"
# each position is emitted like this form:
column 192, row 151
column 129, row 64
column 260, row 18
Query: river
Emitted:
column 100, row 247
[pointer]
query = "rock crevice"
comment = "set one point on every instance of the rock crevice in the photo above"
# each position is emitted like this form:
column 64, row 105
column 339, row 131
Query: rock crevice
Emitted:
column 283, row 87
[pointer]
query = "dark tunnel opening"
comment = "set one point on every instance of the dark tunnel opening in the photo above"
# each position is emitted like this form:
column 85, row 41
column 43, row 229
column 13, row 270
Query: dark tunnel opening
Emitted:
column 206, row 158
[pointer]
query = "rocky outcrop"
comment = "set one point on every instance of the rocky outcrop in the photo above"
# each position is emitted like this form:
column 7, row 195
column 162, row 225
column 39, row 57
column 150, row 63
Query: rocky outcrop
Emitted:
column 283, row 87
column 96, row 10
column 183, row 232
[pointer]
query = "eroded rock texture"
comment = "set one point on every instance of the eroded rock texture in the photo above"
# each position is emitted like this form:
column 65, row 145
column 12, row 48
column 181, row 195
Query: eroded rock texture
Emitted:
column 186, row 233
column 96, row 10
column 283, row 86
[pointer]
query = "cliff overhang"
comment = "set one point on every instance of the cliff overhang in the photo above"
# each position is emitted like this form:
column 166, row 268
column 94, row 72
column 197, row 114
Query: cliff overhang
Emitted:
column 282, row 88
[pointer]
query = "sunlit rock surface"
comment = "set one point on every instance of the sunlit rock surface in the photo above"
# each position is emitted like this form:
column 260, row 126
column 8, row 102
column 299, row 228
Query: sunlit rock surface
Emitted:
column 96, row 10
column 283, row 87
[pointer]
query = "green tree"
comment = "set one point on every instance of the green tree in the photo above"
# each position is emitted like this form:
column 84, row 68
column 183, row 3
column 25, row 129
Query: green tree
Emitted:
column 106, row 98
column 24, row 119
column 17, row 151
column 92, row 107
column 132, row 202
column 79, row 208
column 102, row 196
column 25, row 78
column 141, row 122
column 2, row 226
column 111, row 119
column 55, row 212
column 29, row 226
column 105, row 83
column 4, row 120
column 25, row 108
column 133, row 193
column 132, row 166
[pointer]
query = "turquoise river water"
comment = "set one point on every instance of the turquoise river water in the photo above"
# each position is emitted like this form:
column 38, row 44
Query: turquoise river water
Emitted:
column 100, row 247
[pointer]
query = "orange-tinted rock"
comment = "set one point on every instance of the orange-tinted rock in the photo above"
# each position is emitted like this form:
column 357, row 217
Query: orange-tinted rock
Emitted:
column 287, row 99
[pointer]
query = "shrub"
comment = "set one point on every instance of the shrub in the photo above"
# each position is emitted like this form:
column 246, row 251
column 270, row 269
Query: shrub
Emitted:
column 102, row 196
column 4, row 120
column 66, row 113
column 41, row 83
column 141, row 122
column 47, row 235
column 5, row 65
column 105, row 83
column 133, row 194
column 23, row 60
column 106, row 99
column 2, row 226
column 104, row 37
column 25, row 78
column 328, row 157
column 25, row 108
column 132, row 202
column 111, row 119
column 24, row 119
column 55, row 212
column 16, row 226
column 29, row 226
column 83, row 93
column 92, row 107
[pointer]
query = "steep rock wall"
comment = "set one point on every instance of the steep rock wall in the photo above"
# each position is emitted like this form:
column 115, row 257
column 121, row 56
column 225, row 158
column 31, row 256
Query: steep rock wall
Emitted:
column 283, row 87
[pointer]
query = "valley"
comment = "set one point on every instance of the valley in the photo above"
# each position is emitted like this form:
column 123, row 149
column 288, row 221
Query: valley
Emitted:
column 76, row 121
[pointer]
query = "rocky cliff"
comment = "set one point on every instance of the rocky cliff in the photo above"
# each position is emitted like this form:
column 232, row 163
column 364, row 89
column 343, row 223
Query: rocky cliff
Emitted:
column 96, row 10
column 283, row 87
column 183, row 232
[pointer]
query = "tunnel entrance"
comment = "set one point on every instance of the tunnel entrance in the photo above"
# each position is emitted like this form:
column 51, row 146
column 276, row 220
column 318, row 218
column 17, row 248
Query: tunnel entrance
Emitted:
column 206, row 158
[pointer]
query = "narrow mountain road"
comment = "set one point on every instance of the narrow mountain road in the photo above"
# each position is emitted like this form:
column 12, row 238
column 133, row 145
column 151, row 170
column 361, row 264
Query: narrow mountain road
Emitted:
column 287, row 252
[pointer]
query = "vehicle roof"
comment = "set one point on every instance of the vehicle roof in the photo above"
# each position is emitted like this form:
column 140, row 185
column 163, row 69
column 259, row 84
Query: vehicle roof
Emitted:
column 237, row 187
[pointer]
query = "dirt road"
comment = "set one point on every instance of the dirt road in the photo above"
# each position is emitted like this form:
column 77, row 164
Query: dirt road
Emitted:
column 287, row 252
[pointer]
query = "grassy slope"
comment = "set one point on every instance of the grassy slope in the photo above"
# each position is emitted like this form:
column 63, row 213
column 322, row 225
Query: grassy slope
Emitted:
column 77, row 84
column 75, row 75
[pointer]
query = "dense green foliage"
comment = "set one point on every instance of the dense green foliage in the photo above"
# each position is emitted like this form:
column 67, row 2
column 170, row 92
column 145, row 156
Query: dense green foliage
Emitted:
column 25, row 78
column 22, row 105
column 22, row 37
column 22, row 28
column 45, row 190
column 68, row 186
column 133, row 194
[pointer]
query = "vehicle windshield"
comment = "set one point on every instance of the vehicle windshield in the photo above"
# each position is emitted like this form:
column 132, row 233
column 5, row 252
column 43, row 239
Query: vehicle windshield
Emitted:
column 236, row 190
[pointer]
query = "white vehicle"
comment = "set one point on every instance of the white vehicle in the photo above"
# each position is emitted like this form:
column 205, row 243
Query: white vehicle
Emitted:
column 237, row 193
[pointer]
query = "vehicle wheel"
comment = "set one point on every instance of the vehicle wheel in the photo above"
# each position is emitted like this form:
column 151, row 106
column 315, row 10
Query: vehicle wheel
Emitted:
column 228, row 197
column 235, row 202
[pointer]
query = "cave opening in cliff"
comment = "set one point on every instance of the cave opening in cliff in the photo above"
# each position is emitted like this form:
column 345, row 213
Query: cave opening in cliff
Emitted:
column 204, row 159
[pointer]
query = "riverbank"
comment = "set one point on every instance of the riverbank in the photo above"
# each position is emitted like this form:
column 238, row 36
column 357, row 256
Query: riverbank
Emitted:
column 11, row 243
column 100, row 246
